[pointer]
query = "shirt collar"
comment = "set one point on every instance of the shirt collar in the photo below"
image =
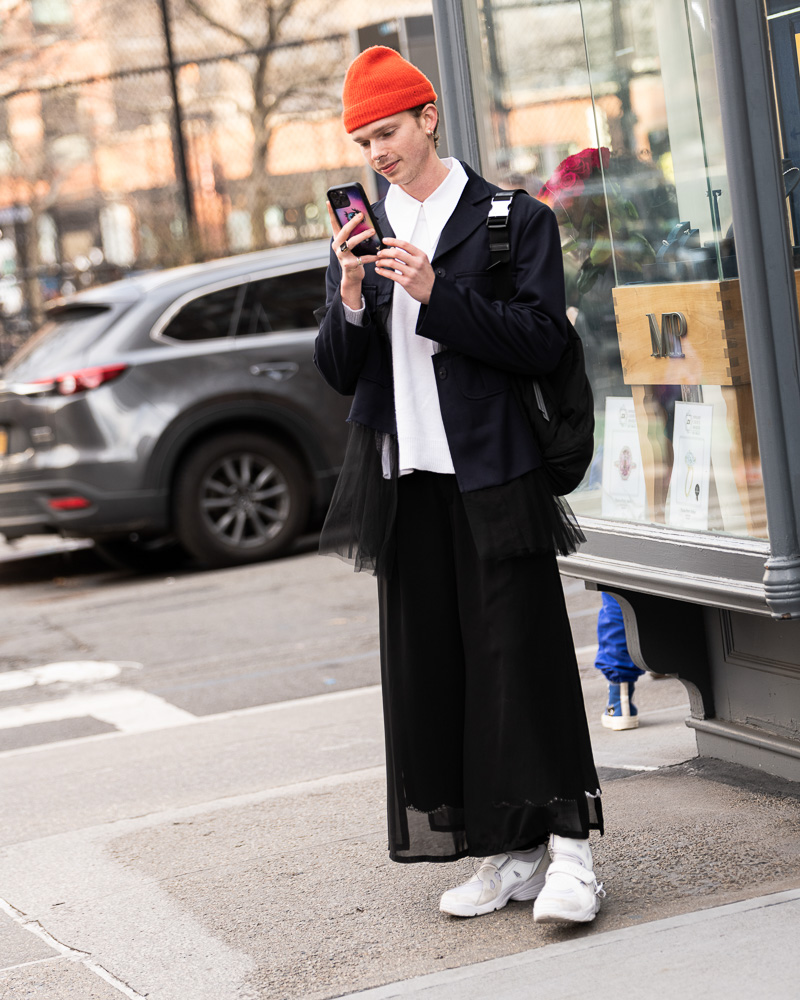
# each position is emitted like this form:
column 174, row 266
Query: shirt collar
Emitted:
column 402, row 210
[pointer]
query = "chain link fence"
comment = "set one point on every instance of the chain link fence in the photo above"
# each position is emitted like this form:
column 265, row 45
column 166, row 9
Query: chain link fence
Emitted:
column 149, row 134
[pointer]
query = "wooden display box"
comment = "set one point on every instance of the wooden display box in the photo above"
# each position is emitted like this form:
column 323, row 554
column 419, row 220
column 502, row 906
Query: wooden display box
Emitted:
column 713, row 341
column 692, row 334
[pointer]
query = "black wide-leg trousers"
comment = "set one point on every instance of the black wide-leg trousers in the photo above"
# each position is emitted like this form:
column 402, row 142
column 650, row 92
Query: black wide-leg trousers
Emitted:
column 487, row 743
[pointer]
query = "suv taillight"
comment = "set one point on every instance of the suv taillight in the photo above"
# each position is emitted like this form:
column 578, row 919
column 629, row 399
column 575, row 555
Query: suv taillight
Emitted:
column 70, row 383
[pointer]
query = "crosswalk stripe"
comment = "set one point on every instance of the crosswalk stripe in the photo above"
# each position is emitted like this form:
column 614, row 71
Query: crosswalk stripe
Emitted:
column 373, row 691
column 127, row 709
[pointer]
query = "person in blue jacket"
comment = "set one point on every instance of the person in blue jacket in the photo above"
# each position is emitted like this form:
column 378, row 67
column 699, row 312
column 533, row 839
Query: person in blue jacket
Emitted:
column 442, row 495
column 616, row 665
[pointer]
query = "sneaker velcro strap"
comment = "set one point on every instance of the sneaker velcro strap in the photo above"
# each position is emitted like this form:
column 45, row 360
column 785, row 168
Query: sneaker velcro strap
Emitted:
column 559, row 867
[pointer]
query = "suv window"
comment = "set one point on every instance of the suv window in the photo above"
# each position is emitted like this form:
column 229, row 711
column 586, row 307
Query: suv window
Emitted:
column 208, row 317
column 68, row 332
column 286, row 302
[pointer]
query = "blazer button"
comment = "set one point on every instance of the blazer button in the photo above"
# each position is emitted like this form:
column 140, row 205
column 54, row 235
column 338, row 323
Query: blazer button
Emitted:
column 440, row 272
column 442, row 373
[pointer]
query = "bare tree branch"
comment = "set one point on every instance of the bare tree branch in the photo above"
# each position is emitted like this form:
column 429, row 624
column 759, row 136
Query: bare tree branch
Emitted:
column 197, row 8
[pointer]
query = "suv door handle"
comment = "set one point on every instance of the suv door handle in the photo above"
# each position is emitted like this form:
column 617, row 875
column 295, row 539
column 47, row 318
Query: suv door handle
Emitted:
column 277, row 370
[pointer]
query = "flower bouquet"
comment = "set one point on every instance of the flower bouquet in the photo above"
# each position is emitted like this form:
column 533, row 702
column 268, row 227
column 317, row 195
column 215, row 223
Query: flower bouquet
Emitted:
column 596, row 221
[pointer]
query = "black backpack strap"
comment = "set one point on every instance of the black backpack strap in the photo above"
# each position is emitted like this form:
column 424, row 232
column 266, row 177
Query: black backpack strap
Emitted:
column 498, row 223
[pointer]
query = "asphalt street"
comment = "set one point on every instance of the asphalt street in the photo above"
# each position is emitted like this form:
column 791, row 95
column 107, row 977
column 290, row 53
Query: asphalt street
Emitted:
column 192, row 800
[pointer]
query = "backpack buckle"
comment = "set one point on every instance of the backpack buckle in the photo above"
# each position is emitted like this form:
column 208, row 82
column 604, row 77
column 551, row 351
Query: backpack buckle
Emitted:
column 500, row 209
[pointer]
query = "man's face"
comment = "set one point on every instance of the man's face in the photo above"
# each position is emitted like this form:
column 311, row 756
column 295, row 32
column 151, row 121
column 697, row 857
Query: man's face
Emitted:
column 396, row 147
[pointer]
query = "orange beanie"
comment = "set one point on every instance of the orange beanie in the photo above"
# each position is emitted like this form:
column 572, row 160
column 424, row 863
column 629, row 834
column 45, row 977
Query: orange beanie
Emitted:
column 379, row 83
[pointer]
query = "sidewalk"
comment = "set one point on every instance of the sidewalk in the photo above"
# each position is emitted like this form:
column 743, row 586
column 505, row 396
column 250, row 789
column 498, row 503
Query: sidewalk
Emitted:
column 746, row 949
column 285, row 892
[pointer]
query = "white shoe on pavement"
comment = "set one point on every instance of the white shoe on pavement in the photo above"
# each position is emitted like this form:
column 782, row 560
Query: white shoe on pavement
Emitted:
column 571, row 894
column 498, row 880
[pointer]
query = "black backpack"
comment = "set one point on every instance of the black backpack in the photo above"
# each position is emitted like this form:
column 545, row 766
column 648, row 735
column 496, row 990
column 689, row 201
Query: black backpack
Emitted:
column 560, row 406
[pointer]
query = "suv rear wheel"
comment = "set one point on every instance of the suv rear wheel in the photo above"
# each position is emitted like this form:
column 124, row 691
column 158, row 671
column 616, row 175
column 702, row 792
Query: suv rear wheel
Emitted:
column 239, row 498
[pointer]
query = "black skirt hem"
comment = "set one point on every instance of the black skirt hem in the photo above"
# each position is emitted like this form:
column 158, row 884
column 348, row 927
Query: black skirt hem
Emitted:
column 479, row 847
column 484, row 851
column 425, row 859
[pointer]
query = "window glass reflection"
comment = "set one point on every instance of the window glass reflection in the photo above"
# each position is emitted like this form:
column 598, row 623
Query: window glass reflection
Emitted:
column 208, row 317
column 286, row 302
column 608, row 111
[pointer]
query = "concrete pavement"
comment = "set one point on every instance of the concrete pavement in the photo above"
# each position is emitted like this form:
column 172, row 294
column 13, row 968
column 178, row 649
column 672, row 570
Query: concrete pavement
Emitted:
column 262, row 871
column 221, row 848
column 746, row 949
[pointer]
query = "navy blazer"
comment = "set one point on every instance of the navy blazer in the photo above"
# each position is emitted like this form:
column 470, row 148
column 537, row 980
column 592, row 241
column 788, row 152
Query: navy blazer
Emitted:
column 484, row 342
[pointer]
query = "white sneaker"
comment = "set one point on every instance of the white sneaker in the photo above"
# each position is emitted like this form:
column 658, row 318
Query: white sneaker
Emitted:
column 571, row 894
column 498, row 880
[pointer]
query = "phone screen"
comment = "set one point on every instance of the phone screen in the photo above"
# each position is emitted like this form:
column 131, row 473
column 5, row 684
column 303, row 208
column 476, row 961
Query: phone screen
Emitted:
column 347, row 201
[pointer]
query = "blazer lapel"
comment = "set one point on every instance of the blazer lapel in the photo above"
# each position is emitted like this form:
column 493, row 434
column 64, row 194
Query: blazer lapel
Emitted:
column 471, row 212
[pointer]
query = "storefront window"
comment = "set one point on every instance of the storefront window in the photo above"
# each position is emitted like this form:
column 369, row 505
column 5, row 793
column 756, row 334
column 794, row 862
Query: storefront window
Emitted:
column 608, row 111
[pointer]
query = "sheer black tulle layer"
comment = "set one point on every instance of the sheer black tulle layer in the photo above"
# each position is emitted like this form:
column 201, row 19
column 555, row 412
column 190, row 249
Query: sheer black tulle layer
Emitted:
column 358, row 527
column 487, row 745
column 515, row 519
column 441, row 834
column 521, row 518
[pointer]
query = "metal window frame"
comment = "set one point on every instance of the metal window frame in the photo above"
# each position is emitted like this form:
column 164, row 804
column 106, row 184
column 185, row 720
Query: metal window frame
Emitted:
column 157, row 331
column 721, row 571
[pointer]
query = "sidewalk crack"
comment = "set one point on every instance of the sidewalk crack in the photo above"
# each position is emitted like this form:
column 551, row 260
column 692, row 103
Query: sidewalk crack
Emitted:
column 73, row 954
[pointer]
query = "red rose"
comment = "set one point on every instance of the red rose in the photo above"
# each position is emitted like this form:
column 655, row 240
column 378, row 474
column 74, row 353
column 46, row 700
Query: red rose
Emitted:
column 595, row 155
column 576, row 164
column 570, row 183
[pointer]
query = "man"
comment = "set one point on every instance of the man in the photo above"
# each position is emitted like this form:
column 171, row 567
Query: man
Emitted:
column 442, row 495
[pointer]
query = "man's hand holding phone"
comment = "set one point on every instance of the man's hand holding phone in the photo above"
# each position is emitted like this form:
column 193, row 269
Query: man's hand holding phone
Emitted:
column 352, row 266
column 407, row 265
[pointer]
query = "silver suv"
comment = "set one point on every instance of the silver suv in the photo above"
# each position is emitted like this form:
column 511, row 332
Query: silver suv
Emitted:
column 179, row 406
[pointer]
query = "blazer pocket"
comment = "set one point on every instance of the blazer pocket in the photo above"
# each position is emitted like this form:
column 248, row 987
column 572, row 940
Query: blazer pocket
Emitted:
column 476, row 380
column 479, row 281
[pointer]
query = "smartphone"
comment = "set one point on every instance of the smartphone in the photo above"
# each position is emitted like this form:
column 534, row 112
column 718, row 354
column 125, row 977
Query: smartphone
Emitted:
column 348, row 199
